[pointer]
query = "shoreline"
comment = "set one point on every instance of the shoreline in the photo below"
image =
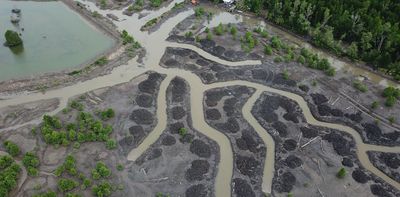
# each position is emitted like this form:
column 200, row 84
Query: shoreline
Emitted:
column 50, row 80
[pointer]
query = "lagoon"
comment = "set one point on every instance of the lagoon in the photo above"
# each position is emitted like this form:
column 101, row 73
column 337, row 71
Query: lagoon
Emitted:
column 55, row 38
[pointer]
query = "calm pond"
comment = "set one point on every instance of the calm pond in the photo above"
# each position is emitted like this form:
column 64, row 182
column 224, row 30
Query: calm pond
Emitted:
column 55, row 38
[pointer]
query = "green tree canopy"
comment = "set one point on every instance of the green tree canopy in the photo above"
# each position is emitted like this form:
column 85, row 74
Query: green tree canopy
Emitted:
column 12, row 38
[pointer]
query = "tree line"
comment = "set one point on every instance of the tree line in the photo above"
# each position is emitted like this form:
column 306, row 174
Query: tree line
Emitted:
column 365, row 30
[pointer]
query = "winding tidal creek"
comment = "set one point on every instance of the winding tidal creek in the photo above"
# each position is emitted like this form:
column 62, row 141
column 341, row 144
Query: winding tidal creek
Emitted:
column 155, row 45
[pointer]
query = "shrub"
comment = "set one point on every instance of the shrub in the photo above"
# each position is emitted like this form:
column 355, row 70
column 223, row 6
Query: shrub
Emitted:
column 248, row 41
column 126, row 38
column 120, row 167
column 219, row 30
column 103, row 189
column 391, row 119
column 209, row 36
column 66, row 184
column 341, row 173
column 198, row 12
column 76, row 105
column 32, row 171
column 12, row 38
column 276, row 42
column 72, row 195
column 101, row 61
column 233, row 30
column 285, row 75
column 111, row 144
column 150, row 23
column 323, row 64
column 264, row 34
column 46, row 194
column 391, row 91
column 301, row 59
column 261, row 31
column 267, row 50
column 107, row 114
column 182, row 132
column 101, row 171
column 31, row 162
column 314, row 83
column 160, row 194
column 30, row 159
column 155, row 3
column 277, row 59
column 390, row 101
column 12, row 148
column 178, row 5
column 189, row 34
column 95, row 14
column 59, row 170
column 374, row 105
column 9, row 173
column 103, row 4
column 330, row 72
column 359, row 86
column 86, row 183
column 77, row 145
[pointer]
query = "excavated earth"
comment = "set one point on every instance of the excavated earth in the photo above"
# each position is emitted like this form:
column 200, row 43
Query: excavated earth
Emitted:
column 308, row 157
column 176, row 164
column 222, row 107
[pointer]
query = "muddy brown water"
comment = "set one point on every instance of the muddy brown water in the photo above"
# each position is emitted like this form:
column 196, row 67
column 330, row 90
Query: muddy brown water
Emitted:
column 155, row 46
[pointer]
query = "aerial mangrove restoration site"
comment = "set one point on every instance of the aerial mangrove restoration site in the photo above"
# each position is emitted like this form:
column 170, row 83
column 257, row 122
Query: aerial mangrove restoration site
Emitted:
column 199, row 98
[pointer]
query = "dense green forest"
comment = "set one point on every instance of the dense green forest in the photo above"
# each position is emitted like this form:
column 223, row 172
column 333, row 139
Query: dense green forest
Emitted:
column 365, row 30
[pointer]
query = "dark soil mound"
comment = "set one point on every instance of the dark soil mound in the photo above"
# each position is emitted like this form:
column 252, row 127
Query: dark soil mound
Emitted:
column 290, row 145
column 242, row 188
column 197, row 170
column 293, row 162
column 178, row 112
column 213, row 114
column 200, row 148
column 144, row 100
column 359, row 176
column 247, row 165
column 196, row 191
column 308, row 132
column 142, row 116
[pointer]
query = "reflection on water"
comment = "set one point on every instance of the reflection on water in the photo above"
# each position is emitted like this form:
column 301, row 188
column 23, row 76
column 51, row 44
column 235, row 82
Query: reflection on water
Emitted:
column 17, row 50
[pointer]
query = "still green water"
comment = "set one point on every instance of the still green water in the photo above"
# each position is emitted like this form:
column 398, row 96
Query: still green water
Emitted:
column 55, row 38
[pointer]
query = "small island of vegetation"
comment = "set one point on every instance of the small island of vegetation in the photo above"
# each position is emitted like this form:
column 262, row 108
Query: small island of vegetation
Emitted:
column 12, row 39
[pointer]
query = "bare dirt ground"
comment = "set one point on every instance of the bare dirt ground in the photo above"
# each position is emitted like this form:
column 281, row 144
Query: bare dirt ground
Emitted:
column 14, row 115
column 125, row 100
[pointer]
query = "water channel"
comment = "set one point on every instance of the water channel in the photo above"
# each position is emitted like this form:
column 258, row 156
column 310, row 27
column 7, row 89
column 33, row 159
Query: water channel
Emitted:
column 155, row 46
